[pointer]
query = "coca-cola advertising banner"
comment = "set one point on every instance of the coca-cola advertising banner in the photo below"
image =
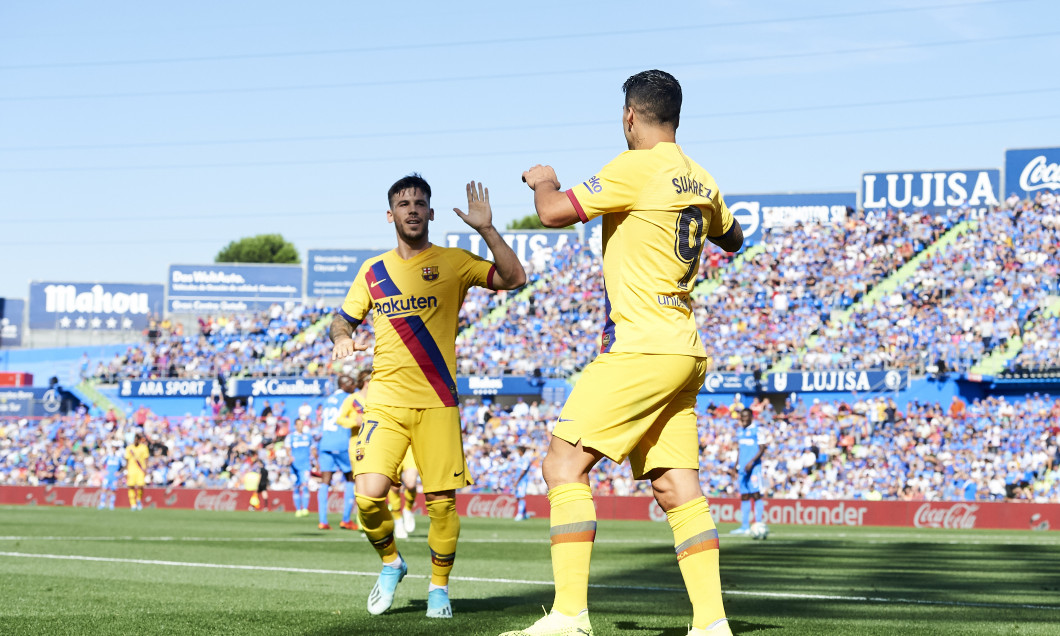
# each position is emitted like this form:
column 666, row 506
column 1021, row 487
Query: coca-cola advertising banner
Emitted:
column 1032, row 171
column 958, row 515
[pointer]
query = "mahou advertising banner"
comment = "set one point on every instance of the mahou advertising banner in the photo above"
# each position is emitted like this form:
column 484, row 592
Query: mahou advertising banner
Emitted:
column 952, row 515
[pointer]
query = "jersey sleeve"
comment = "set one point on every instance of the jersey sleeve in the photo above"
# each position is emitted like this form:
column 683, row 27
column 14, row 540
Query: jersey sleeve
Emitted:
column 721, row 219
column 359, row 299
column 615, row 188
column 351, row 408
column 474, row 270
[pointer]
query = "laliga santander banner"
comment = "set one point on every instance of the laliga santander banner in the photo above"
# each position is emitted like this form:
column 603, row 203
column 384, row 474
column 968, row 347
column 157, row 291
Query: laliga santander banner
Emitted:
column 952, row 515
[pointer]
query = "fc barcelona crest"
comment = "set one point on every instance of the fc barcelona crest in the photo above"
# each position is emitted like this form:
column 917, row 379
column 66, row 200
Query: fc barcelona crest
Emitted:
column 429, row 273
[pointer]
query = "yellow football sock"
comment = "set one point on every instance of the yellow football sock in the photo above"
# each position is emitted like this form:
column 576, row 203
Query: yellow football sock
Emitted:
column 378, row 525
column 696, row 544
column 410, row 498
column 394, row 501
column 441, row 538
column 132, row 497
column 573, row 531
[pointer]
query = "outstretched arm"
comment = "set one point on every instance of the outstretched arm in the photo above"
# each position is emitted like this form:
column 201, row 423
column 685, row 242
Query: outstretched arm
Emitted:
column 510, row 273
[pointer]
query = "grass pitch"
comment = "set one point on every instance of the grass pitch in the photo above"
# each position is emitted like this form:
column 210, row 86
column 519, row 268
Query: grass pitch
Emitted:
column 83, row 571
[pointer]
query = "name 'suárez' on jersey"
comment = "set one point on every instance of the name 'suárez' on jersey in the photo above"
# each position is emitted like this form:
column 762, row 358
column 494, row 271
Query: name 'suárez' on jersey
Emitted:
column 687, row 184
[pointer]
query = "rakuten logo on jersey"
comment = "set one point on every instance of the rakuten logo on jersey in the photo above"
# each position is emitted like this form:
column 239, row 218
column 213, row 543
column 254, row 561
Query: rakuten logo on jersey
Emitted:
column 501, row 507
column 219, row 500
column 958, row 517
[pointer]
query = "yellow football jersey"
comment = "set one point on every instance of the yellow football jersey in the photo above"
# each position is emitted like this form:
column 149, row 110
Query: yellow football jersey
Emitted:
column 417, row 304
column 351, row 411
column 136, row 459
column 658, row 206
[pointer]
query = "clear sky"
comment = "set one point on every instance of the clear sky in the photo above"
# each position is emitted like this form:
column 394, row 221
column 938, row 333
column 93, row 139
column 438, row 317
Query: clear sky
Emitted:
column 138, row 134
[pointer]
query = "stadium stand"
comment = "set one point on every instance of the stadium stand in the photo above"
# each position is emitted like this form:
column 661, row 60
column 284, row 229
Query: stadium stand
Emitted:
column 930, row 294
column 960, row 304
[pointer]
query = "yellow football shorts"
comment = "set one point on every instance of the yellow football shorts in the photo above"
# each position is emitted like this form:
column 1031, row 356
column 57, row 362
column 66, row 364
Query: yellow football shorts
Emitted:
column 637, row 405
column 134, row 480
column 409, row 463
column 432, row 434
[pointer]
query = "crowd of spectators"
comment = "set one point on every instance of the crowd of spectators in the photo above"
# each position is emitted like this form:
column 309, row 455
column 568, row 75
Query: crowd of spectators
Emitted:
column 769, row 308
column 1041, row 347
column 281, row 340
column 991, row 449
column 960, row 304
column 552, row 330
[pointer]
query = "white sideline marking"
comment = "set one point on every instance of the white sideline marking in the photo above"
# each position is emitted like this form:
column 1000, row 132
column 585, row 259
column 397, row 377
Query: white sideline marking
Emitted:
column 475, row 579
column 1030, row 538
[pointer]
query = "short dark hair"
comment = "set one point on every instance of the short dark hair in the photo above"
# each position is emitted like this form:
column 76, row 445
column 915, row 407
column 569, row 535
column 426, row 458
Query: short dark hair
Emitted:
column 409, row 182
column 657, row 95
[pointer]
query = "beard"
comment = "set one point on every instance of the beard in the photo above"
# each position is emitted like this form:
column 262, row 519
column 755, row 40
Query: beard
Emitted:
column 411, row 235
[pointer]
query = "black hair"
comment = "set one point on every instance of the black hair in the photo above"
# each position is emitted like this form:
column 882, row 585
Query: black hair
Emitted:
column 409, row 182
column 657, row 96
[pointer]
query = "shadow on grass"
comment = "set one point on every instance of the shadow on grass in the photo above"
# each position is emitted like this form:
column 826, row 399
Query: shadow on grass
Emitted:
column 737, row 627
column 948, row 584
column 476, row 605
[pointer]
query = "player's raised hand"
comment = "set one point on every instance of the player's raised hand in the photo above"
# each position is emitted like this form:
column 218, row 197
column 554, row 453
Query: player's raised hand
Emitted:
column 541, row 174
column 479, row 213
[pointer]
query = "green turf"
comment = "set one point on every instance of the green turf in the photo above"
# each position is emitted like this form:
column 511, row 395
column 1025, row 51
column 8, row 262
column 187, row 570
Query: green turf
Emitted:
column 800, row 581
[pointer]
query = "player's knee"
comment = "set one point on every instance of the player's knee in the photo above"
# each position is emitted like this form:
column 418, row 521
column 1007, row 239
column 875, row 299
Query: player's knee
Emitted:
column 566, row 463
column 373, row 485
column 674, row 487
column 441, row 495
column 557, row 472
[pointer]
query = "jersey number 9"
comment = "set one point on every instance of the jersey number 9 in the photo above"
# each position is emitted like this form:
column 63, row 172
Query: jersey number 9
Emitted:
column 689, row 242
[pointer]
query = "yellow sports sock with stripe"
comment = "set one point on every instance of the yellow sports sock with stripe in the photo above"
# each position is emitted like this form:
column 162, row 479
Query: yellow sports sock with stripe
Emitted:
column 378, row 525
column 696, row 544
column 132, row 497
column 410, row 498
column 573, row 531
column 442, row 537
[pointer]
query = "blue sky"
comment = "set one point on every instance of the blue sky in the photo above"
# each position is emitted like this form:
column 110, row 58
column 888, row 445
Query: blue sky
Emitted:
column 134, row 135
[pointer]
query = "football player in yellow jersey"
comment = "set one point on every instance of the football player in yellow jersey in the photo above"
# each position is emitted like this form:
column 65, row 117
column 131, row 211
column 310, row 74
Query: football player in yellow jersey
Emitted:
column 416, row 291
column 136, row 470
column 637, row 398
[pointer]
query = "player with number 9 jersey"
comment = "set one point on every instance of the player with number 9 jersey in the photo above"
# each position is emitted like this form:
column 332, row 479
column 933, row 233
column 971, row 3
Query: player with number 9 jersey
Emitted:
column 658, row 208
column 637, row 398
